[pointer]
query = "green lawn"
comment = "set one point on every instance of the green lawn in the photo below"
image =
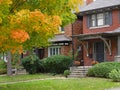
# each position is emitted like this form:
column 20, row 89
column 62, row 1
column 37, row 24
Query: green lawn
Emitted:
column 62, row 84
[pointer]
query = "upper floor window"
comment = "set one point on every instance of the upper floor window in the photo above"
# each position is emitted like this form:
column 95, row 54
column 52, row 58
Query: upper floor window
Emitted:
column 99, row 19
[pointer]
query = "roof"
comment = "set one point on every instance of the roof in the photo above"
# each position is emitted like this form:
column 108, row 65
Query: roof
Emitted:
column 96, row 35
column 60, row 38
column 98, row 4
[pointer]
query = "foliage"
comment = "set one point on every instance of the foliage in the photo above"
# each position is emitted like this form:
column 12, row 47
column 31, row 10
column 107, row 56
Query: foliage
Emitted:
column 103, row 69
column 57, row 64
column 2, row 64
column 3, row 67
column 66, row 73
column 31, row 64
column 41, row 67
column 115, row 75
column 25, row 24
column 30, row 23
column 3, row 70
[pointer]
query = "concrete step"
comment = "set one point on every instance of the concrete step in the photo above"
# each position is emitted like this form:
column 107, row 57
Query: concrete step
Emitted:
column 79, row 71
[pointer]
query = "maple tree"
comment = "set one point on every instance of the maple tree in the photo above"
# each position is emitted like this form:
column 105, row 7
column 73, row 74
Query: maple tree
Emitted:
column 25, row 24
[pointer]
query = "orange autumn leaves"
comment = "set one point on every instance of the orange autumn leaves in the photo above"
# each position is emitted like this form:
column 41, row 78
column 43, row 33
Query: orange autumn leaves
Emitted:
column 24, row 23
column 19, row 36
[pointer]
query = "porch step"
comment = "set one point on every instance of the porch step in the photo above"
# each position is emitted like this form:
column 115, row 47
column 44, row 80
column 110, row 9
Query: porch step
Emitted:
column 78, row 71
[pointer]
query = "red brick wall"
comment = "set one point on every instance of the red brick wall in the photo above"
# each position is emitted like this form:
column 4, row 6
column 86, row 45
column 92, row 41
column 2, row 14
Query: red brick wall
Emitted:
column 46, row 53
column 66, row 50
column 115, row 24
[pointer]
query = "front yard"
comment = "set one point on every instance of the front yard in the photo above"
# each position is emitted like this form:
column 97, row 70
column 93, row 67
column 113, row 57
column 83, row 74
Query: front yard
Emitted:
column 46, row 83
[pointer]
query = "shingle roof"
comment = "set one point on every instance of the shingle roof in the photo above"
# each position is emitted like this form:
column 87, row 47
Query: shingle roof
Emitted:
column 60, row 38
column 98, row 4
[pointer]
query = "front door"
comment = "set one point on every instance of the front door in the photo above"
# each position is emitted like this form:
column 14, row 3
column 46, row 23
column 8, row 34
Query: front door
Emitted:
column 99, row 51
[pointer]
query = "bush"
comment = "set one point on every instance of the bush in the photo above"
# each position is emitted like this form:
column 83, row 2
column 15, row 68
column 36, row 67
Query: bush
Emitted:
column 3, row 70
column 31, row 64
column 41, row 67
column 103, row 69
column 66, row 73
column 3, row 67
column 115, row 75
column 3, row 64
column 57, row 64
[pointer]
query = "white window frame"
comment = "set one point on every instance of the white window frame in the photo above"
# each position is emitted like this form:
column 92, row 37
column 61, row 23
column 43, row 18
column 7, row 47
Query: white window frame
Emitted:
column 100, row 19
column 54, row 50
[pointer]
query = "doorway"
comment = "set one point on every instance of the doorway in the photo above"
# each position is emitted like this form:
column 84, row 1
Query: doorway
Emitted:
column 99, row 51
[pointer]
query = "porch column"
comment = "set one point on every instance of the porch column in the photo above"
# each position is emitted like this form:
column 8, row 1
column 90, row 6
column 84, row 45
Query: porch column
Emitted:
column 118, row 45
column 117, row 58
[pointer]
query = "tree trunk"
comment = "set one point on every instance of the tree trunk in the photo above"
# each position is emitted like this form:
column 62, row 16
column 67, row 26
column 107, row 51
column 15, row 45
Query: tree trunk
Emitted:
column 9, row 66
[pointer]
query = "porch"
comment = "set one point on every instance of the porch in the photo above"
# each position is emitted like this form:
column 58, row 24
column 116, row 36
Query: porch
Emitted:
column 100, row 47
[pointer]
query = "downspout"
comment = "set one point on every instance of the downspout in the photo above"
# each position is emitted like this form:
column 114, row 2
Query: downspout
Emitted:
column 73, row 56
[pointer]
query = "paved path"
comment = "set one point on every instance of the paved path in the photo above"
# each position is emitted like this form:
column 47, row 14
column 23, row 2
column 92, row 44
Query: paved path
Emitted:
column 113, row 89
column 33, row 80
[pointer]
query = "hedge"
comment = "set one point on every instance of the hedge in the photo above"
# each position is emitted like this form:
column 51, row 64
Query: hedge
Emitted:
column 103, row 69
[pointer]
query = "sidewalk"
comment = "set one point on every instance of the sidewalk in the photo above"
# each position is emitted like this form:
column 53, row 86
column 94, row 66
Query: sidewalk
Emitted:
column 34, row 80
column 113, row 89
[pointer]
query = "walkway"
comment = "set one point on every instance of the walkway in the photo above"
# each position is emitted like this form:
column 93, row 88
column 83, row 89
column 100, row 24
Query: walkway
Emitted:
column 113, row 89
column 33, row 80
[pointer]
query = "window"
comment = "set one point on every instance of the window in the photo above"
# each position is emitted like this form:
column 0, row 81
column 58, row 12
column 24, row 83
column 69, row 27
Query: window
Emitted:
column 61, row 29
column 99, row 19
column 54, row 50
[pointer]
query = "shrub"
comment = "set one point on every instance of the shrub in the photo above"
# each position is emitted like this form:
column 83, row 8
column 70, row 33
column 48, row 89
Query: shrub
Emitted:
column 31, row 64
column 41, row 67
column 115, row 75
column 3, row 64
column 3, row 70
column 66, row 73
column 103, row 69
column 3, row 67
column 57, row 64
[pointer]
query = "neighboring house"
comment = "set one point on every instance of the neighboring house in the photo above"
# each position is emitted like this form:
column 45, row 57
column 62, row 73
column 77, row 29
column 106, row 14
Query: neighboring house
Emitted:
column 101, row 31
column 62, row 44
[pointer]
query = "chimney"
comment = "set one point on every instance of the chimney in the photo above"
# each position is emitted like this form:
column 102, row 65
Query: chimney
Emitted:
column 89, row 1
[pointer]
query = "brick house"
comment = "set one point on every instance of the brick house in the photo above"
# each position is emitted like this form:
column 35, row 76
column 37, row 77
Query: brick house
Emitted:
column 100, row 39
